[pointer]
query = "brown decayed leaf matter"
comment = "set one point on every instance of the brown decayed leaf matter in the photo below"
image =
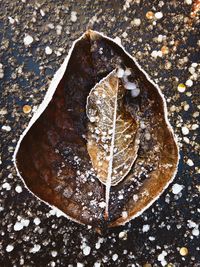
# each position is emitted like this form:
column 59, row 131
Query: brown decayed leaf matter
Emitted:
column 58, row 157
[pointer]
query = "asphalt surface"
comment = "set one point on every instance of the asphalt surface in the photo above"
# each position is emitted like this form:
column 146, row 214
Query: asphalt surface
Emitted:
column 35, row 38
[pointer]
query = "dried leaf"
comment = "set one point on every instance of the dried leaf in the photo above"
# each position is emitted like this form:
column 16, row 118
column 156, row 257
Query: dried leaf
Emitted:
column 57, row 153
column 112, row 131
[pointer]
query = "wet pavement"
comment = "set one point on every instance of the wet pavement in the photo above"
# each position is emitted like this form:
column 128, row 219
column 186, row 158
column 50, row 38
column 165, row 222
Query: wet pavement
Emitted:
column 35, row 38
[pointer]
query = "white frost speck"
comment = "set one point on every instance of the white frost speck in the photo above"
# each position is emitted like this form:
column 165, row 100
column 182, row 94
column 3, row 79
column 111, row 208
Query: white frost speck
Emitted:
column 48, row 50
column 18, row 189
column 145, row 228
column 35, row 248
column 6, row 186
column 73, row 16
column 28, row 40
column 120, row 73
column 176, row 188
column 86, row 250
column 6, row 128
column 9, row 248
column 130, row 86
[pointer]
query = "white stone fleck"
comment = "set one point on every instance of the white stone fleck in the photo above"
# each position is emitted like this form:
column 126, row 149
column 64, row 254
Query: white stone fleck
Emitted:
column 73, row 16
column 136, row 22
column 42, row 13
column 188, row 2
column 123, row 235
column 54, row 253
column 158, row 15
column 161, row 258
column 124, row 214
column 190, row 162
column 97, row 264
column 6, row 186
column 18, row 189
column 6, row 128
column 185, row 130
column 145, row 228
column 48, row 50
column 195, row 232
column 37, row 221
column 124, row 34
column 114, row 257
column 18, row 226
column 58, row 29
column 86, row 250
column 177, row 188
column 9, row 248
column 120, row 196
column 195, row 126
column 102, row 204
column 28, row 40
column 11, row 20
column 189, row 83
column 35, row 248
column 79, row 264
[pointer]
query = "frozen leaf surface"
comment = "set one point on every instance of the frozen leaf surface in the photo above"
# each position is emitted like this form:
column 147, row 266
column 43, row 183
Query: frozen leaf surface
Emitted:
column 112, row 131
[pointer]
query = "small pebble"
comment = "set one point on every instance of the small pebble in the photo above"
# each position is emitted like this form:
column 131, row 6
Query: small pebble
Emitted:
column 26, row 109
column 181, row 88
column 18, row 189
column 9, row 248
column 183, row 251
column 149, row 15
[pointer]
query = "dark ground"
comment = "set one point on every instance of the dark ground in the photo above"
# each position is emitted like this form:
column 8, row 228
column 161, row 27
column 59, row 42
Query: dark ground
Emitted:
column 47, row 239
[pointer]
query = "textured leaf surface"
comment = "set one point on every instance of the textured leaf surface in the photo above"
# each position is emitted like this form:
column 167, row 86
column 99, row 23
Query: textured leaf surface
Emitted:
column 57, row 162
